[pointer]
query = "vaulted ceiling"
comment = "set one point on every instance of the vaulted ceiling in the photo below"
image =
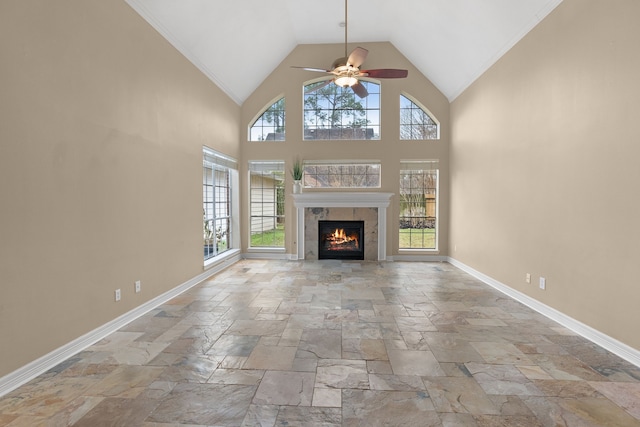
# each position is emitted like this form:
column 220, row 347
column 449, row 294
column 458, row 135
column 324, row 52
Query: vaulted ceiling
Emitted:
column 237, row 44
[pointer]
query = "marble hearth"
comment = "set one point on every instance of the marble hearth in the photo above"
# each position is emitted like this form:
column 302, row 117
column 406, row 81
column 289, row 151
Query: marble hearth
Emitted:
column 371, row 207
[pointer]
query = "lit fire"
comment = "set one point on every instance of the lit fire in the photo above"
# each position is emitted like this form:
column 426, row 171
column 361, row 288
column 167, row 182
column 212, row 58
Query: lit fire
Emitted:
column 339, row 237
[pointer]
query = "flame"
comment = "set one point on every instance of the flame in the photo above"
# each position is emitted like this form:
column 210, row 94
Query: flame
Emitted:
column 340, row 237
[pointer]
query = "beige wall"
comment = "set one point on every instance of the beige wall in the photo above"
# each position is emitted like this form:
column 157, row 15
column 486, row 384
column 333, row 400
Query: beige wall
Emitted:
column 103, row 124
column 544, row 166
column 100, row 163
column 389, row 149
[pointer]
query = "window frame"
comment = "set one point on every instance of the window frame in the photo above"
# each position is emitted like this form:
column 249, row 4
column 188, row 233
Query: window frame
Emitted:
column 309, row 173
column 423, row 166
column 424, row 110
column 214, row 165
column 261, row 169
column 260, row 117
column 341, row 130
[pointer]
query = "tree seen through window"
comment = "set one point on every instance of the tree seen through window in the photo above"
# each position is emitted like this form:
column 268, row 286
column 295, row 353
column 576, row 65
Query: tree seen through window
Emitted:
column 415, row 122
column 335, row 112
column 418, row 204
column 270, row 126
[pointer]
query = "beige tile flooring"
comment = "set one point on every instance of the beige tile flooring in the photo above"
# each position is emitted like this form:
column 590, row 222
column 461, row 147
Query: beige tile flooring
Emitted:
column 283, row 343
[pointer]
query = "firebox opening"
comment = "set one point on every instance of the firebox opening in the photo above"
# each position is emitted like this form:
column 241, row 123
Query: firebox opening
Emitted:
column 341, row 240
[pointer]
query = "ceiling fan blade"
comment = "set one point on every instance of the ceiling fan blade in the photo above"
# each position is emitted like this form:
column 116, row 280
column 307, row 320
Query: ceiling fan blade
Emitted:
column 360, row 90
column 385, row 73
column 357, row 57
column 318, row 87
column 320, row 70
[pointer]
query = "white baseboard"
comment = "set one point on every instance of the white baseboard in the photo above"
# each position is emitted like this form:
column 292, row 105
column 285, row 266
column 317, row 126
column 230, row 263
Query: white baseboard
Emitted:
column 419, row 258
column 266, row 255
column 616, row 347
column 30, row 371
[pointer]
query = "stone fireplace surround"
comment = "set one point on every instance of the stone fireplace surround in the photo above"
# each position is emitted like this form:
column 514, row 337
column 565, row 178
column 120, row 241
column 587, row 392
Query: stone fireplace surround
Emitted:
column 350, row 205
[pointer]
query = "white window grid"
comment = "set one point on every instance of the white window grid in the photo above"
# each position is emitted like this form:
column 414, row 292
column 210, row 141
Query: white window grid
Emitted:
column 416, row 122
column 418, row 204
column 342, row 174
column 266, row 199
column 216, row 202
column 270, row 125
column 336, row 113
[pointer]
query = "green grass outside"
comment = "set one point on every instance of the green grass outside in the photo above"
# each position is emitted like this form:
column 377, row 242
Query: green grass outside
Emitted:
column 417, row 238
column 271, row 238
column 410, row 238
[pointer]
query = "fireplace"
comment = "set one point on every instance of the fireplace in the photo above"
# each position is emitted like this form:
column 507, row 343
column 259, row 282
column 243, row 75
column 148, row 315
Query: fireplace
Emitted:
column 341, row 240
column 370, row 207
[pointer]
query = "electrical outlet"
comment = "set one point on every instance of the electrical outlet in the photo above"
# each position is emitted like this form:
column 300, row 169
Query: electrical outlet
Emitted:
column 543, row 283
column 527, row 278
column 117, row 294
column 138, row 286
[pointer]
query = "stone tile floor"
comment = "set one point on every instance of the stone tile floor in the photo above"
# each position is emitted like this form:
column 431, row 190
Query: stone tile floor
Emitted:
column 324, row 343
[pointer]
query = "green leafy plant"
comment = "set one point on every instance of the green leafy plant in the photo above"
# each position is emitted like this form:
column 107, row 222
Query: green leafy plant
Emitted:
column 297, row 170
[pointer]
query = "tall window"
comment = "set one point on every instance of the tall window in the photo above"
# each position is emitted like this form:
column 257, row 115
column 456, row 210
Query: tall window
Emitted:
column 266, row 199
column 216, row 202
column 416, row 122
column 335, row 112
column 352, row 174
column 418, row 204
column 270, row 125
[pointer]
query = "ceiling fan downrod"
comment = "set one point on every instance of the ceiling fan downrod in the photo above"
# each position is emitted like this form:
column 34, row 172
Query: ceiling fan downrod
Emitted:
column 346, row 25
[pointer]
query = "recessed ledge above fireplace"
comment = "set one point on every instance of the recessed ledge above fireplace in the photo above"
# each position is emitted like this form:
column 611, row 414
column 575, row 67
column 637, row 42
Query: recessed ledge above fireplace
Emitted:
column 343, row 200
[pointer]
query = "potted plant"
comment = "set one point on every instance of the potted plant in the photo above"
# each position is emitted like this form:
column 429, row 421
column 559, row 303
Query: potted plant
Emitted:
column 296, row 174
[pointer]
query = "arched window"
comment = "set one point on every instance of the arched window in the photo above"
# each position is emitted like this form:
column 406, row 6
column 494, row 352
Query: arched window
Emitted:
column 416, row 122
column 270, row 125
column 334, row 112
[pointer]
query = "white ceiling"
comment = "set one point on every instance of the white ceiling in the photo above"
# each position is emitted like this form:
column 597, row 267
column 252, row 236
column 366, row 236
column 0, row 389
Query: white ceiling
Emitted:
column 452, row 42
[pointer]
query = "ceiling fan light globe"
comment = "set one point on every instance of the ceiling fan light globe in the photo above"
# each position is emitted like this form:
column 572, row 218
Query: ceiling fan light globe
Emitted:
column 345, row 81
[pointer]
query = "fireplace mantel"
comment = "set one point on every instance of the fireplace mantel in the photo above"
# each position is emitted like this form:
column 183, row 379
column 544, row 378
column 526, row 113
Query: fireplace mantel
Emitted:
column 343, row 200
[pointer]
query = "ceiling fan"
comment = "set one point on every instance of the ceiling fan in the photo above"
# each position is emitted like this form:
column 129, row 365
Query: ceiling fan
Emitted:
column 347, row 69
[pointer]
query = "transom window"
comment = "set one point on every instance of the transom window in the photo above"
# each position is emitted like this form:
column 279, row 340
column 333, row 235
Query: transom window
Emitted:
column 333, row 112
column 416, row 122
column 266, row 198
column 352, row 174
column 418, row 204
column 270, row 126
column 216, row 202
